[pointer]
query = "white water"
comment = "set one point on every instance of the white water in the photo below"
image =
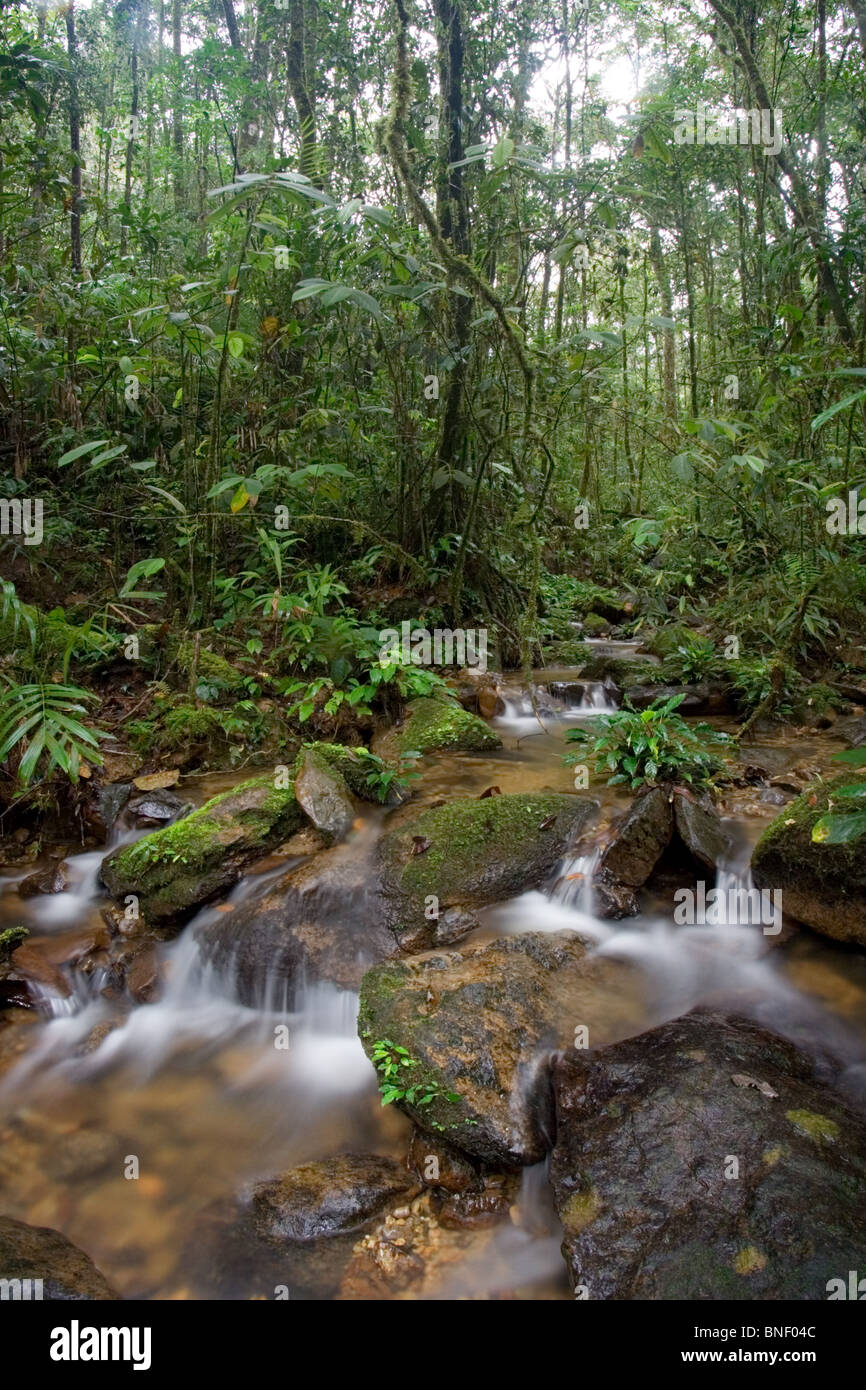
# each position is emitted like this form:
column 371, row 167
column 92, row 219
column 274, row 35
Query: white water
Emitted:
column 555, row 712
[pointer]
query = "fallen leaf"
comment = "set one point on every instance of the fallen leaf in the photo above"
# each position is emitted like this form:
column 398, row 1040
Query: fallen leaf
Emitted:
column 547, row 822
column 156, row 781
column 491, row 791
column 740, row 1079
column 420, row 844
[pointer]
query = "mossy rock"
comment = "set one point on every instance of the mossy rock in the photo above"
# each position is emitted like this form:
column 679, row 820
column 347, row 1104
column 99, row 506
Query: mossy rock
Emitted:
column 623, row 671
column 432, row 726
column 472, row 852
column 210, row 667
column 822, row 885
column 569, row 652
column 177, row 869
column 594, row 624
column 646, row 1131
column 667, row 640
column 479, row 1025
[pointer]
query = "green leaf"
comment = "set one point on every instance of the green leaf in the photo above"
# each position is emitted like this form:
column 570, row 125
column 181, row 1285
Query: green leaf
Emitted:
column 72, row 454
column 839, row 830
column 828, row 414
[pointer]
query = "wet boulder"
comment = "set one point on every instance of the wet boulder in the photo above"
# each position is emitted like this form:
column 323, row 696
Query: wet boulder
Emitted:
column 700, row 829
column 441, row 865
column 320, row 920
column 703, row 1160
column 478, row 1027
column 294, row 1235
column 176, row 869
column 823, row 885
column 37, row 1252
column 432, row 726
column 319, row 1200
column 641, row 838
column 323, row 796
column 54, row 879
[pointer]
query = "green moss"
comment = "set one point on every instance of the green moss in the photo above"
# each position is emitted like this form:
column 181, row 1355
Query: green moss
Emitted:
column 187, row 723
column 438, row 726
column 346, row 762
column 185, row 863
column 211, row 666
column 581, row 1209
column 786, row 847
column 10, row 939
column 594, row 624
column 818, row 1127
column 665, row 642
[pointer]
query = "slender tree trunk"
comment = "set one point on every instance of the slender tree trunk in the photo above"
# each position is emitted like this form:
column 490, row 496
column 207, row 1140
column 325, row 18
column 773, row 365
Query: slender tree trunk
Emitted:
column 74, row 143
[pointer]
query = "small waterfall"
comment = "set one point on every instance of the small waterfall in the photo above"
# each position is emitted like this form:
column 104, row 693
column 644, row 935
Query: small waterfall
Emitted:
column 574, row 887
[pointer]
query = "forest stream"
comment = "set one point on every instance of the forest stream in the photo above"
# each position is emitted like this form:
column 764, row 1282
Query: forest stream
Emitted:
column 191, row 1085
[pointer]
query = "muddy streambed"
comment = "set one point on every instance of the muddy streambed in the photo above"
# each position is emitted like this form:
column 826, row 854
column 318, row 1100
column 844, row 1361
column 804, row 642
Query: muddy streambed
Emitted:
column 191, row 1092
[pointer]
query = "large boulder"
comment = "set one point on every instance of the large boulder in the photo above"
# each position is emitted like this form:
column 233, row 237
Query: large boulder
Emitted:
column 323, row 795
column 641, row 839
column 702, row 1160
column 432, row 726
column 37, row 1252
column 822, row 885
column 479, row 1025
column 177, row 869
column 470, row 852
column 699, row 827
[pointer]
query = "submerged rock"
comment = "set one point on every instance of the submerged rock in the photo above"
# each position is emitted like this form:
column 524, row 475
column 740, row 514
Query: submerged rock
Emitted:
column 480, row 1024
column 318, row 1200
column 431, row 726
column 703, row 1161
column 471, row 852
column 37, row 1252
column 822, row 885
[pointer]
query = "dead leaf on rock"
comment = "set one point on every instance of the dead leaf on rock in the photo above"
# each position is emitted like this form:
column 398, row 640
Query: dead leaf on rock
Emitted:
column 156, row 781
column 491, row 791
column 740, row 1079
column 420, row 844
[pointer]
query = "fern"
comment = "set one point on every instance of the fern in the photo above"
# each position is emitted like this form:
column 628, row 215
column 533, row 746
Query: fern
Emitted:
column 43, row 720
column 13, row 609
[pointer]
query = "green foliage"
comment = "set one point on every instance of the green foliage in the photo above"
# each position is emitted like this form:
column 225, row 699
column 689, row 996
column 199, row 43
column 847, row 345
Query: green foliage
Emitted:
column 382, row 779
column 654, row 745
column 393, row 1064
column 43, row 720
column 841, row 827
column 9, row 939
column 694, row 660
column 752, row 680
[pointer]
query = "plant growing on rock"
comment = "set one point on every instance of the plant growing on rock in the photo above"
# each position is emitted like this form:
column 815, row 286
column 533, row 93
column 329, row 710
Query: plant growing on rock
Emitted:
column 393, row 1063
column 842, row 826
column 650, row 746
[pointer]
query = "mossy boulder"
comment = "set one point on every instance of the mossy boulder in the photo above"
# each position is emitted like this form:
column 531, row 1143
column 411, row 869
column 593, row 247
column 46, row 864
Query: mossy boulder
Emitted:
column 188, row 863
column 432, row 726
column 480, row 1025
column 468, row 853
column 624, row 671
column 323, row 795
column 208, row 666
column 822, row 885
column 648, row 1133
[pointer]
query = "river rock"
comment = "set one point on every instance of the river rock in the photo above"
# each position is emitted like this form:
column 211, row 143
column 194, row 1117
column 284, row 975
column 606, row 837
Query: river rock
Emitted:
column 695, row 697
column 852, row 729
column 324, row 797
column 177, row 869
column 470, row 852
column 647, row 1134
column 320, row 920
column 54, row 879
column 480, row 1024
column 431, row 726
column 156, row 807
column 641, row 838
column 822, row 885
column 699, row 826
column 37, row 1252
column 329, row 1198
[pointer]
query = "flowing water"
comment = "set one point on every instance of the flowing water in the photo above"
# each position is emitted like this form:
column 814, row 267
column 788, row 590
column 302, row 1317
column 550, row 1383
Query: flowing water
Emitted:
column 195, row 1090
